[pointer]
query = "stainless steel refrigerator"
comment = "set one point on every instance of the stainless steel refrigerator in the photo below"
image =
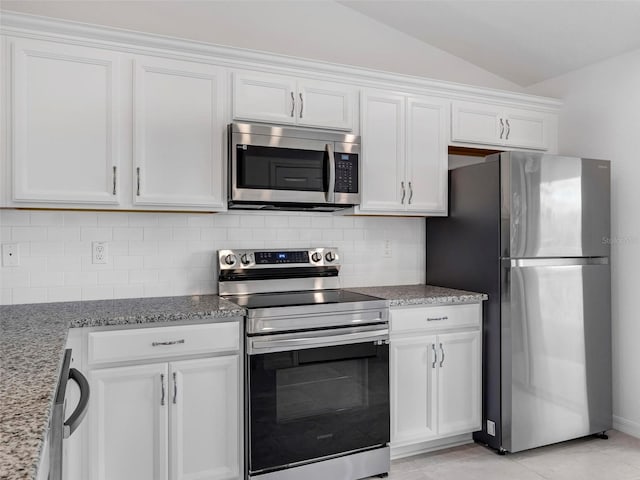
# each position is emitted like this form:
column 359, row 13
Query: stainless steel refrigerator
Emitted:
column 532, row 231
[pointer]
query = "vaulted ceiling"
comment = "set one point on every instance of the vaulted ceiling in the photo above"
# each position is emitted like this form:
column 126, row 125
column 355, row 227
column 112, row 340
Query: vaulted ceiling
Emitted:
column 520, row 40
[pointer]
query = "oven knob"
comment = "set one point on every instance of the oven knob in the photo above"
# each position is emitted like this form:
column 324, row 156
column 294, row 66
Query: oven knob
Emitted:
column 330, row 256
column 316, row 256
column 230, row 259
column 245, row 259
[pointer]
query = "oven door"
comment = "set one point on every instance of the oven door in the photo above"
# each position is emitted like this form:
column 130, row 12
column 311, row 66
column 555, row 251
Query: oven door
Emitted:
column 316, row 396
column 271, row 169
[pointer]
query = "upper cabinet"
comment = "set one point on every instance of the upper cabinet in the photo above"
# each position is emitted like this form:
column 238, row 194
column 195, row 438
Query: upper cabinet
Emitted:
column 65, row 101
column 263, row 97
column 404, row 153
column 487, row 124
column 178, row 137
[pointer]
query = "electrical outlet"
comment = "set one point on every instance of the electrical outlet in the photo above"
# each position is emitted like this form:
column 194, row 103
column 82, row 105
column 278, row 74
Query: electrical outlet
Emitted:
column 10, row 255
column 387, row 252
column 100, row 253
column 491, row 428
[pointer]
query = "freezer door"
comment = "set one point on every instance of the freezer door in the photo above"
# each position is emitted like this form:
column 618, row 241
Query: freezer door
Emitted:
column 556, row 350
column 554, row 206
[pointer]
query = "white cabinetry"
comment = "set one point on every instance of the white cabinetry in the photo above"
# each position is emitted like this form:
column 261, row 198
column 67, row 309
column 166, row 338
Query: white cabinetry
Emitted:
column 172, row 416
column 178, row 133
column 487, row 124
column 270, row 98
column 404, row 153
column 65, row 102
column 94, row 128
column 435, row 359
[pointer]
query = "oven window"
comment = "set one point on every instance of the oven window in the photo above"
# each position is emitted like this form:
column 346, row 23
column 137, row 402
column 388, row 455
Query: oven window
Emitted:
column 279, row 168
column 316, row 402
column 307, row 391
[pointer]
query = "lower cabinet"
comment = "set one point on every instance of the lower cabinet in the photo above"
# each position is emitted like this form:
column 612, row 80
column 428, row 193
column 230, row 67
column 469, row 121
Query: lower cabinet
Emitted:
column 435, row 373
column 169, row 409
column 176, row 420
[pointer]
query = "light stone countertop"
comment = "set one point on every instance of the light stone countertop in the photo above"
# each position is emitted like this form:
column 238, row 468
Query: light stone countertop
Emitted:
column 402, row 295
column 32, row 344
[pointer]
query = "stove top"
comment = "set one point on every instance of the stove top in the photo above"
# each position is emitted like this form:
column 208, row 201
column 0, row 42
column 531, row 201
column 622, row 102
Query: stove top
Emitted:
column 296, row 299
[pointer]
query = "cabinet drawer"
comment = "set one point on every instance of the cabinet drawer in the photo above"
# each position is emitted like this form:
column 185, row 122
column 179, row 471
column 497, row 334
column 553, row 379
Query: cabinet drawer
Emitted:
column 162, row 342
column 407, row 319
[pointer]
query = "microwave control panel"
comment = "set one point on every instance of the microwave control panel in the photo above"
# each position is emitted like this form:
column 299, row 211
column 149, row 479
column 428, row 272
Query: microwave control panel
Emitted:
column 346, row 172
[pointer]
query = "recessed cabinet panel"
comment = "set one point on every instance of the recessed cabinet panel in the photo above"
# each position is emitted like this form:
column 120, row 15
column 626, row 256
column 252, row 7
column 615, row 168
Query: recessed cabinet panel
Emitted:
column 264, row 98
column 65, row 105
column 179, row 134
column 323, row 104
column 412, row 395
column 476, row 123
column 427, row 157
column 383, row 168
column 459, row 389
column 526, row 129
column 128, row 423
column 204, row 419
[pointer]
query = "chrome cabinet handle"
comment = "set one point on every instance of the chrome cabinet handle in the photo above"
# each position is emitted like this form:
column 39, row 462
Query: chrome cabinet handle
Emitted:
column 293, row 104
column 138, row 181
column 301, row 104
column 436, row 319
column 508, row 129
column 163, row 389
column 114, row 179
column 410, row 193
column 501, row 128
column 172, row 342
column 435, row 355
column 403, row 192
column 75, row 419
column 175, row 388
column 442, row 360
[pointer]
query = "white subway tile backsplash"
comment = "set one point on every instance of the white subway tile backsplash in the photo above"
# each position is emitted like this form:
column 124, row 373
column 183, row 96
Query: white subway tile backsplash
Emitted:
column 28, row 234
column 158, row 254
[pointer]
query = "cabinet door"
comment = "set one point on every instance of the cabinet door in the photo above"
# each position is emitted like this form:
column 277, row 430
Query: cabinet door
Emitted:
column 205, row 419
column 65, row 109
column 129, row 423
column 263, row 97
column 383, row 152
column 459, row 394
column 413, row 373
column 179, row 134
column 325, row 104
column 427, row 157
column 475, row 122
column 525, row 129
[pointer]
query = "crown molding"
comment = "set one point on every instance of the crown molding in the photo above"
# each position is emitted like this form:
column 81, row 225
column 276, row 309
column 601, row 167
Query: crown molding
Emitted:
column 46, row 28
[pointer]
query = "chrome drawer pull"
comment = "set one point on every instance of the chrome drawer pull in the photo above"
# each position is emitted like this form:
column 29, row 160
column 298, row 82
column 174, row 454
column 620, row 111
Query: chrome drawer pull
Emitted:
column 435, row 319
column 172, row 342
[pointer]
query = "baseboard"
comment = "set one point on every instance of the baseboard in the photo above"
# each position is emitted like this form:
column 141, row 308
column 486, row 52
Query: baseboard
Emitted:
column 624, row 425
column 402, row 451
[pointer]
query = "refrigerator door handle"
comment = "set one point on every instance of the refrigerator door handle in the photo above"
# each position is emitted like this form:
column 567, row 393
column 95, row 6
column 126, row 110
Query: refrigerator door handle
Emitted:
column 556, row 262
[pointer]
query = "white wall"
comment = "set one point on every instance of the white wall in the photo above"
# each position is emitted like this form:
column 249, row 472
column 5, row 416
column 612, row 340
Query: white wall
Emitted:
column 601, row 119
column 322, row 30
column 169, row 254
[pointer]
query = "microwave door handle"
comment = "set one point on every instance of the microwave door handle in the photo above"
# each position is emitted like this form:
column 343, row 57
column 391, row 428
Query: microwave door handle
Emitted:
column 330, row 194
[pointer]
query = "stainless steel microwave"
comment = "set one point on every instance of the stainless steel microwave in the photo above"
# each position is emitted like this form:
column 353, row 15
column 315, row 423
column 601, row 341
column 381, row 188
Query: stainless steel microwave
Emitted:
column 292, row 168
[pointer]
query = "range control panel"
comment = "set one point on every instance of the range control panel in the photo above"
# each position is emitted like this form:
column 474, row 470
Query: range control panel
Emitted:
column 249, row 259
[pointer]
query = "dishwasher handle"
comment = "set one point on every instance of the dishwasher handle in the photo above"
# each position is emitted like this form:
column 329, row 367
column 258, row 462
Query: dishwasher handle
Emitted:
column 75, row 419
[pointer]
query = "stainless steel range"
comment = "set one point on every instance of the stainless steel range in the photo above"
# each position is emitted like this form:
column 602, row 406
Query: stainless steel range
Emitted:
column 317, row 366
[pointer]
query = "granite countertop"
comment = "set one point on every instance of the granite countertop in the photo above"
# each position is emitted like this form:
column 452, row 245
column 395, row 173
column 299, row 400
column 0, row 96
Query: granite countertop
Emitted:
column 401, row 295
column 32, row 341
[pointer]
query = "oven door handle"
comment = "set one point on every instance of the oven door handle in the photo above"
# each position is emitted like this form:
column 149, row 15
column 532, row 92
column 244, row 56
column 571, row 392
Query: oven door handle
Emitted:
column 330, row 194
column 324, row 339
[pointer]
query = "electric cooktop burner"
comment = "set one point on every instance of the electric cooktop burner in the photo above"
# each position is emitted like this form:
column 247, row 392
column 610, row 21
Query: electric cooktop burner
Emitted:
column 294, row 299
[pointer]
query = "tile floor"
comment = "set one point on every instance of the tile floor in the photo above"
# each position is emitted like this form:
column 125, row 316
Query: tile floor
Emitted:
column 585, row 459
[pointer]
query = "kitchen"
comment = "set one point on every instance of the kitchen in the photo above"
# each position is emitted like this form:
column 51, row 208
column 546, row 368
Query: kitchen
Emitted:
column 171, row 254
